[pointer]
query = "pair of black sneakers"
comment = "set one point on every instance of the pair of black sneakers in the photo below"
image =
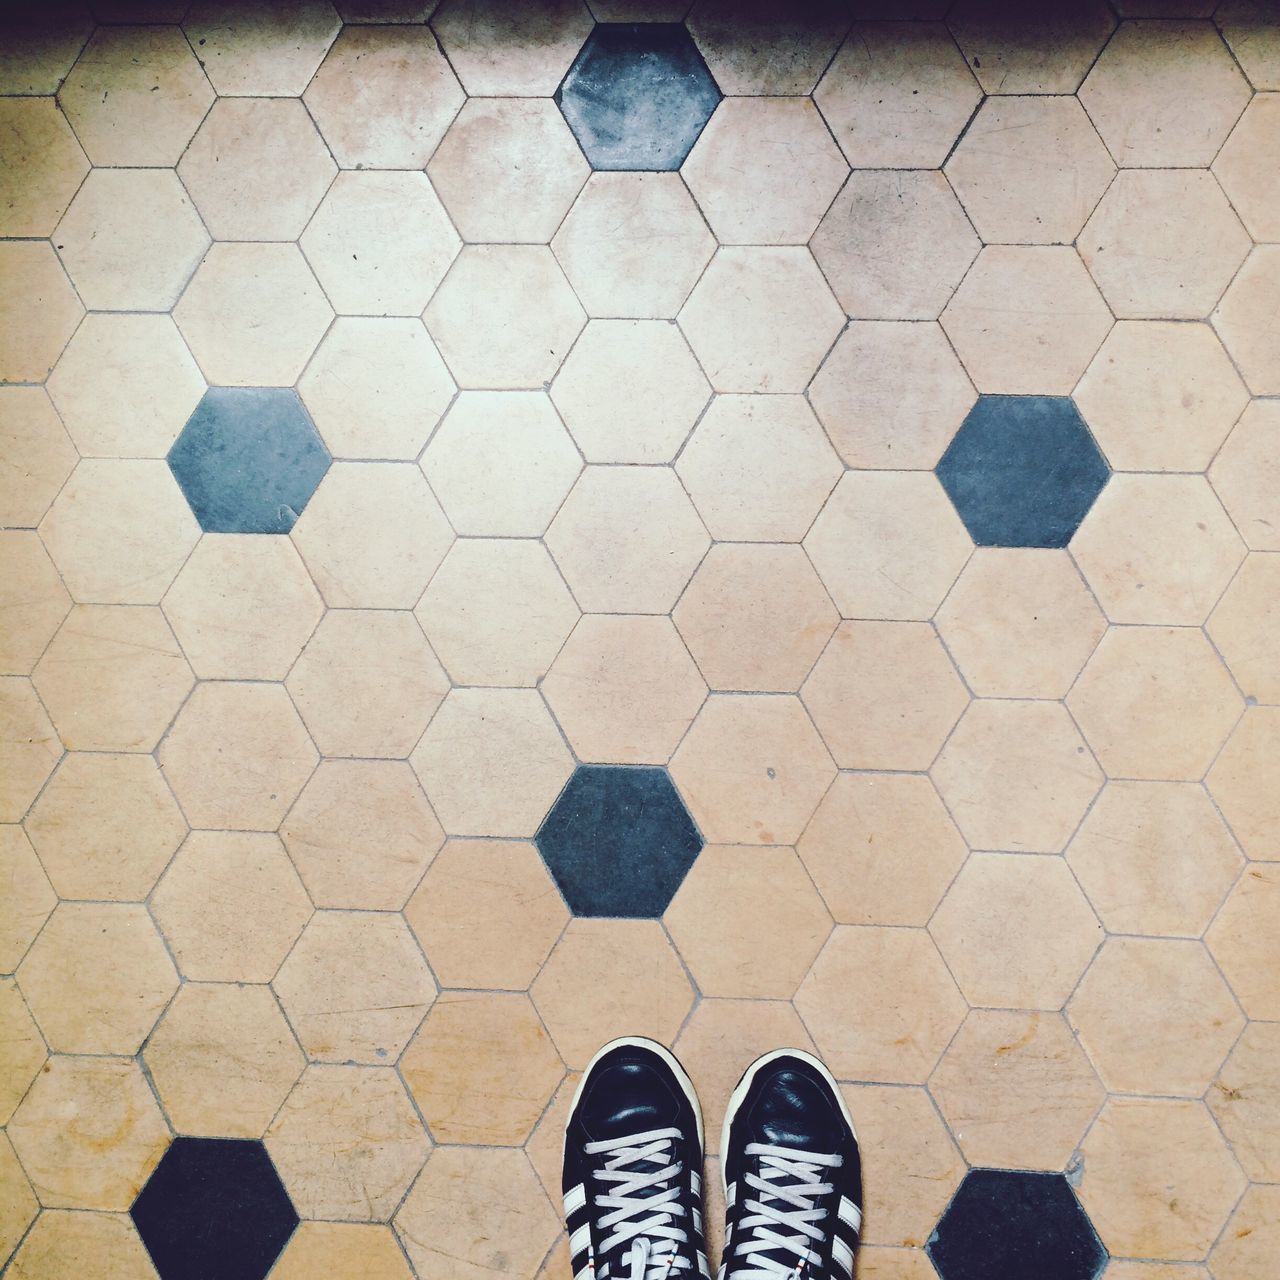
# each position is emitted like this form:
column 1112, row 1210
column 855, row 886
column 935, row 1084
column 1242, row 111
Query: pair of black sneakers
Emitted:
column 633, row 1171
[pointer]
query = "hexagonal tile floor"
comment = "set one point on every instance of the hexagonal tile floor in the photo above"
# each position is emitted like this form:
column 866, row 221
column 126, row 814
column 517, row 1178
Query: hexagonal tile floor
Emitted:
column 730, row 520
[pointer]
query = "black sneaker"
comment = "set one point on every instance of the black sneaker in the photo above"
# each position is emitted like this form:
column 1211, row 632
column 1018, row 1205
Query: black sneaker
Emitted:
column 793, row 1179
column 633, row 1168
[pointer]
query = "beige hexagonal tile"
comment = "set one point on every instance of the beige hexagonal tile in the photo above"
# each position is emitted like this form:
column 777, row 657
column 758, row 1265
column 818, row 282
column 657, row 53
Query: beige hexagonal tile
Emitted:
column 665, row 391
column 908, row 1006
column 29, row 747
column 492, row 762
column 33, row 601
column 355, row 986
column 248, row 51
column 482, row 1068
column 39, row 311
column 356, row 1247
column 135, row 96
column 1155, row 703
column 253, row 314
column 761, row 319
column 882, row 849
column 361, row 834
column 1155, row 1016
column 1160, row 396
column 1029, row 170
column 624, row 689
column 367, row 683
column 487, row 914
column 223, row 1059
column 752, row 768
column 1016, row 1089
column 897, row 95
column 38, row 452
column 1253, row 35
column 231, row 906
column 1247, row 164
column 1243, row 627
column 1247, row 478
column 42, row 166
column 1016, row 48
column 1245, row 940
column 18, row 1204
column 895, row 244
column 64, row 1243
column 89, row 1133
column 237, row 756
column 880, row 1262
column 627, row 539
column 758, row 468
column 884, row 695
column 29, row 898
column 501, row 463
column 618, row 227
column 475, row 1213
column 1244, row 320
column 380, row 243
column 38, row 53
column 1026, row 320
column 1245, row 1100
column 508, row 170
column 347, row 1143
column 1154, row 858
column 891, row 395
column 545, row 1147
column 888, row 544
column 1158, row 1179
column 1164, row 93
column 119, row 531
column 257, row 169
column 1016, row 931
column 22, row 1053
column 755, row 617
column 1247, row 1247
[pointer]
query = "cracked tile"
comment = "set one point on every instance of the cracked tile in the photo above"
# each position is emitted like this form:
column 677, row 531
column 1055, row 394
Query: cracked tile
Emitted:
column 1245, row 1100
column 33, row 601
column 28, row 894
column 22, row 1054
column 38, row 453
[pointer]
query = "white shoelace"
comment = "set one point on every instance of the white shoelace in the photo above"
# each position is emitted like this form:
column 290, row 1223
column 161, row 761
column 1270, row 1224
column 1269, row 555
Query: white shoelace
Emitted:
column 783, row 1218
column 643, row 1203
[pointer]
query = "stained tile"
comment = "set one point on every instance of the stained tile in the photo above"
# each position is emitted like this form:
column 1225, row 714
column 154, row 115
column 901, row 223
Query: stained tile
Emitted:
column 253, row 314
column 894, row 244
column 498, row 51
column 1244, row 476
column 1125, row 1269
column 755, row 617
column 908, row 1006
column 761, row 319
column 33, row 601
column 135, row 96
column 1026, row 320
column 257, row 169
column 67, row 1243
column 1016, row 1222
column 897, row 95
column 1160, row 396
column 492, row 762
column 1244, row 937
column 1243, row 320
column 231, row 906
column 487, row 914
column 1164, row 93
column 361, row 834
column 879, row 1262
column 358, row 1249
column 223, row 1059
column 29, row 898
column 29, row 747
column 207, row 1190
column 1252, row 33
column 748, row 922
column 508, row 170
column 1247, row 164
column 619, row 226
column 355, row 987
column 637, row 96
column 888, row 544
column 1155, row 703
column 380, row 243
column 18, row 1205
column 41, row 165
column 367, row 683
column 1016, row 1089
column 1243, row 627
column 758, row 468
column 38, row 455
column 39, row 52
column 39, row 311
column 627, row 539
column 1030, row 169
column 501, row 463
column 1247, row 1247
column 347, row 1143
column 1154, row 858
column 22, row 1054
column 1245, row 1101
column 237, row 756
column 372, row 535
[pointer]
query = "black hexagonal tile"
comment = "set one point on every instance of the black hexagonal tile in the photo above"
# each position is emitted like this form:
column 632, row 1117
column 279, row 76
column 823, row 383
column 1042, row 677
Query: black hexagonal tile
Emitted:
column 619, row 841
column 248, row 459
column 638, row 95
column 1023, row 471
column 214, row 1209
column 1005, row 1225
